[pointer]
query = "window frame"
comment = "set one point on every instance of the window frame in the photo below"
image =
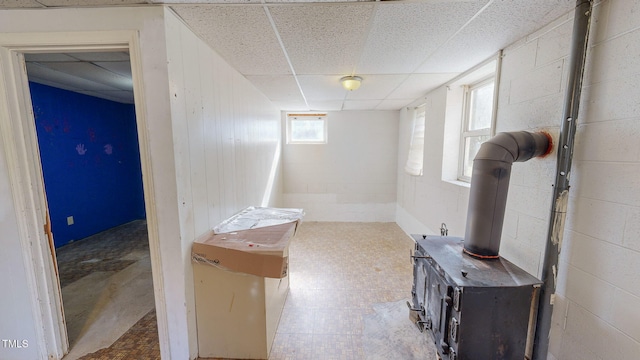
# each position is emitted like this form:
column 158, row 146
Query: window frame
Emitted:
column 465, row 133
column 417, row 138
column 290, row 117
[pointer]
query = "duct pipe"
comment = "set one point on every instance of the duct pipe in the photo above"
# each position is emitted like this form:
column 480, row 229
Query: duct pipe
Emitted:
column 489, row 186
column 579, row 42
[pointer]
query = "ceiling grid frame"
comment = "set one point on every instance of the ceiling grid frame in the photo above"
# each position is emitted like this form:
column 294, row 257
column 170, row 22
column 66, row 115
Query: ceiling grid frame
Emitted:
column 254, row 44
column 284, row 51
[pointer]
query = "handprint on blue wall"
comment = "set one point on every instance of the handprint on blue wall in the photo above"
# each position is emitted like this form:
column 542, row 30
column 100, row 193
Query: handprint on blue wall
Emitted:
column 80, row 149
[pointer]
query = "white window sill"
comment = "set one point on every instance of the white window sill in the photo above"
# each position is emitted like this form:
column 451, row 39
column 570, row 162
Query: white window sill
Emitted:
column 458, row 183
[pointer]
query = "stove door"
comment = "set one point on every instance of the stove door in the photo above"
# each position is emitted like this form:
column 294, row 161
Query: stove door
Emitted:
column 439, row 309
column 419, row 291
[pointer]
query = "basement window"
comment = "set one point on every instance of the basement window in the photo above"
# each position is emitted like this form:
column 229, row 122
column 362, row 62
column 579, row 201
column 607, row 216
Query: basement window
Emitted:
column 415, row 157
column 478, row 123
column 307, row 128
column 471, row 104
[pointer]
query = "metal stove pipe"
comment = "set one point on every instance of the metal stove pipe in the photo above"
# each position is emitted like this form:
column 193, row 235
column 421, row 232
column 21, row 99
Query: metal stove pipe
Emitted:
column 579, row 43
column 489, row 186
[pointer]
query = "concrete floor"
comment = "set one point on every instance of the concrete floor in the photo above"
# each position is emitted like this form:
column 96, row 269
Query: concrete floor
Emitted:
column 106, row 286
column 349, row 283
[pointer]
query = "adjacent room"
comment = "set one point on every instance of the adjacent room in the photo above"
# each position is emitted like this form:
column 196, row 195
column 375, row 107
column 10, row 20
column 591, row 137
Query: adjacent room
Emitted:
column 84, row 114
column 129, row 130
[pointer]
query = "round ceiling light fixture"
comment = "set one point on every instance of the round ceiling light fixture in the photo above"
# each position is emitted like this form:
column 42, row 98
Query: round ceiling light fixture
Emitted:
column 351, row 82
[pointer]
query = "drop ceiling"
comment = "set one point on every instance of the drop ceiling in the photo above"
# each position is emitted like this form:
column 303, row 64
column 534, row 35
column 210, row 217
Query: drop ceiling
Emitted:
column 101, row 74
column 295, row 52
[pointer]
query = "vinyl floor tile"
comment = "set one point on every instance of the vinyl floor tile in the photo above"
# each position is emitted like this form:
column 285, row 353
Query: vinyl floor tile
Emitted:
column 348, row 285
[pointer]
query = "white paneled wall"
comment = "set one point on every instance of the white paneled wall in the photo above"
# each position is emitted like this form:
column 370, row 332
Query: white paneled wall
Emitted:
column 226, row 138
column 17, row 316
column 226, row 134
column 353, row 176
column 213, row 148
column 597, row 310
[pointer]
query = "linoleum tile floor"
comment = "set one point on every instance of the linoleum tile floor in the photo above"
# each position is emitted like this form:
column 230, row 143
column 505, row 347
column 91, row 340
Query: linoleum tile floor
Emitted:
column 349, row 283
column 107, row 292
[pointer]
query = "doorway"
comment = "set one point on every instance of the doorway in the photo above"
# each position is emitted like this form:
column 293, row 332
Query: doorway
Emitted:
column 84, row 116
column 37, row 297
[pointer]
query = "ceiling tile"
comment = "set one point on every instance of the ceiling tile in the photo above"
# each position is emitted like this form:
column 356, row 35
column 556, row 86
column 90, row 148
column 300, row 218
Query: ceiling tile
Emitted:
column 45, row 81
column 403, row 34
column 335, row 105
column 308, row 1
column 120, row 96
column 100, row 56
column 291, row 105
column 402, row 49
column 416, row 85
column 242, row 35
column 322, row 38
column 360, row 104
column 92, row 73
column 37, row 71
column 499, row 25
column 322, row 87
column 90, row 2
column 376, row 86
column 245, row 1
column 277, row 87
column 206, row 1
column 122, row 68
column 396, row 104
column 48, row 57
column 20, row 4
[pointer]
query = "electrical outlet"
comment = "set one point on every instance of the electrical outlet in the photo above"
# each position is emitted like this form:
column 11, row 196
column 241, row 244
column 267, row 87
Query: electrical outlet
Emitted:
column 69, row 220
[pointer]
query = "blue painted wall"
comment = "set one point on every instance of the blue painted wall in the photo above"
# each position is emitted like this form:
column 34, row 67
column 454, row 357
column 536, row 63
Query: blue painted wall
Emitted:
column 90, row 161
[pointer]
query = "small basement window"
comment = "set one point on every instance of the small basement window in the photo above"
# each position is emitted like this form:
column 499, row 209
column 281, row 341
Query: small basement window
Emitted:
column 307, row 128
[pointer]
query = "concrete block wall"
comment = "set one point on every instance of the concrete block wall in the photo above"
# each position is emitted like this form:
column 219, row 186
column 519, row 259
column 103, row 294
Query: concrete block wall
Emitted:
column 597, row 307
column 598, row 312
column 531, row 93
column 352, row 176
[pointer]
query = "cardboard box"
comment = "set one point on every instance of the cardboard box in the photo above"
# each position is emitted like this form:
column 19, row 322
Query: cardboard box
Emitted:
column 261, row 252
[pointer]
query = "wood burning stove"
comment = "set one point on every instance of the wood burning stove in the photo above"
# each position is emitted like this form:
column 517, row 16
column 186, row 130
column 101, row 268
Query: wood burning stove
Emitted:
column 475, row 304
column 473, row 309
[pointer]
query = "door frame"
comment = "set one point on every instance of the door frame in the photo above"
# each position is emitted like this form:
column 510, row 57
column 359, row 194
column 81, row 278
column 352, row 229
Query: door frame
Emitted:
column 18, row 135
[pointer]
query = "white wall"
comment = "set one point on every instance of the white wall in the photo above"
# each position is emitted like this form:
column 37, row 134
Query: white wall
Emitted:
column 212, row 140
column 599, row 273
column 353, row 176
column 16, row 314
column 21, row 311
column 425, row 202
column 596, row 313
column 226, row 135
